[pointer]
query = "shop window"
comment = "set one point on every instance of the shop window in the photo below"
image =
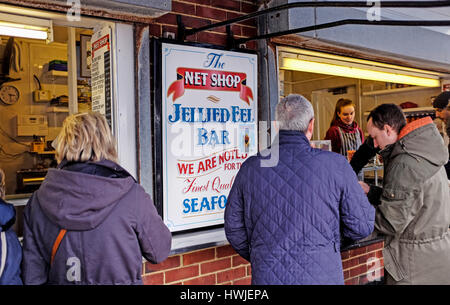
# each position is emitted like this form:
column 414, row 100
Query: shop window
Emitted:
column 34, row 94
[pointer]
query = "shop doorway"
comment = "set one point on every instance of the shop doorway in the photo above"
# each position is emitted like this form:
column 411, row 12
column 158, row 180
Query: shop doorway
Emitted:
column 324, row 102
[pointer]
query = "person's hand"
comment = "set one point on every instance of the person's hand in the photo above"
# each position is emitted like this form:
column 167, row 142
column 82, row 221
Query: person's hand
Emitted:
column 364, row 186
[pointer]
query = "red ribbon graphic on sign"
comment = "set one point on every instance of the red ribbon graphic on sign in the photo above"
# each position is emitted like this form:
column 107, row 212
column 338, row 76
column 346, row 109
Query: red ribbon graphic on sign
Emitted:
column 202, row 79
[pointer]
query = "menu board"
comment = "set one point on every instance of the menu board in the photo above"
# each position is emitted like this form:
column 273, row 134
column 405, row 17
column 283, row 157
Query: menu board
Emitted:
column 101, row 72
column 209, row 119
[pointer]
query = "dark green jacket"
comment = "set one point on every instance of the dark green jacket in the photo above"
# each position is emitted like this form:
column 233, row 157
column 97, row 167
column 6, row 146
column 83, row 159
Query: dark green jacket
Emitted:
column 414, row 209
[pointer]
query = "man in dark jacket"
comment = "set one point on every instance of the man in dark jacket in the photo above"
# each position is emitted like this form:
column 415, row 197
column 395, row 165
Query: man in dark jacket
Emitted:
column 413, row 207
column 442, row 106
column 287, row 218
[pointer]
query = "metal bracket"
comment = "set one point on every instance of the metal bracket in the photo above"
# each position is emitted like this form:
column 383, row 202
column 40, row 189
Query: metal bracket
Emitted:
column 231, row 42
column 181, row 35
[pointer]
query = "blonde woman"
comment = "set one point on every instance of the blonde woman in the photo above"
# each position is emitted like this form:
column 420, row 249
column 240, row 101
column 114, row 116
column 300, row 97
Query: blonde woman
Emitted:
column 90, row 222
column 10, row 249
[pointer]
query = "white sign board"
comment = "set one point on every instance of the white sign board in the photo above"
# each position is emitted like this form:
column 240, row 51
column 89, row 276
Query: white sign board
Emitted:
column 209, row 127
column 101, row 72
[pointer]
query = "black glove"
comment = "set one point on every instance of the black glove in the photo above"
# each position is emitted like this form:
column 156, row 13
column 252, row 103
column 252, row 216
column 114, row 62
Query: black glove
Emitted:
column 364, row 153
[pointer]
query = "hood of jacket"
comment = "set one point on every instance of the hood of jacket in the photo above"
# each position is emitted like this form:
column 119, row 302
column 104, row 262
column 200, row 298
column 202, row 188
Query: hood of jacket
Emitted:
column 421, row 140
column 79, row 196
column 7, row 215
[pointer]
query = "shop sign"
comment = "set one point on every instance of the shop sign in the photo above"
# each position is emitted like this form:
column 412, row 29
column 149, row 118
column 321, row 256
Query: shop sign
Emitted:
column 209, row 118
column 101, row 72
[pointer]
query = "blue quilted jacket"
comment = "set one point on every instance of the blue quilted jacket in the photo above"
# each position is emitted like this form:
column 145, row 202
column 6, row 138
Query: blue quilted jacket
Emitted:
column 288, row 219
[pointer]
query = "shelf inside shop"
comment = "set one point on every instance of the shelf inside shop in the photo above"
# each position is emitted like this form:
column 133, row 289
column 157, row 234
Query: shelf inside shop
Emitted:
column 418, row 110
column 395, row 90
column 55, row 74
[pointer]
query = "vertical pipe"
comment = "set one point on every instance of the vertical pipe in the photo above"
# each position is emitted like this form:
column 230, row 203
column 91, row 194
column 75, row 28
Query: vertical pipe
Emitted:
column 72, row 71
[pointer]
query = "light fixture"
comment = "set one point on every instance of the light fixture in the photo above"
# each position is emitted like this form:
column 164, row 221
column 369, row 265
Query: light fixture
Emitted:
column 396, row 76
column 26, row 27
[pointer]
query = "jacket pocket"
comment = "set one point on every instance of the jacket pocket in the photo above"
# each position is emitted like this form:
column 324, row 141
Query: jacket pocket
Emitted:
column 392, row 265
column 394, row 195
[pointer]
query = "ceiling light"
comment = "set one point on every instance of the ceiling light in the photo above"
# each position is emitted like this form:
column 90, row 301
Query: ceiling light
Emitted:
column 356, row 72
column 26, row 27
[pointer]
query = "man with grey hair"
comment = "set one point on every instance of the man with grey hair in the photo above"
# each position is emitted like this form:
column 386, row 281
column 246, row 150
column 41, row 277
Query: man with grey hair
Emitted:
column 287, row 219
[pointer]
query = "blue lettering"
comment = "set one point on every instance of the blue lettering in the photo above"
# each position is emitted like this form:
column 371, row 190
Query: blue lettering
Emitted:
column 224, row 200
column 202, row 137
column 213, row 60
column 194, row 204
column 187, row 207
column 176, row 116
column 205, row 204
column 225, row 134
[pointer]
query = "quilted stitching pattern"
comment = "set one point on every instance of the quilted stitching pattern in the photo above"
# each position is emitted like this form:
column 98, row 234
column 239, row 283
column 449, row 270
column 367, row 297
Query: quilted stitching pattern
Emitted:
column 287, row 219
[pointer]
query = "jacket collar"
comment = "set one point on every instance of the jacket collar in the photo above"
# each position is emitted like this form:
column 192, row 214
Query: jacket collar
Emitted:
column 410, row 127
column 292, row 137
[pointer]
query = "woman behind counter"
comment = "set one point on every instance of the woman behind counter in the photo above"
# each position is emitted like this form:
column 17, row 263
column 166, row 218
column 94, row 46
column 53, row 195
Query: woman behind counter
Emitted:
column 344, row 132
column 90, row 222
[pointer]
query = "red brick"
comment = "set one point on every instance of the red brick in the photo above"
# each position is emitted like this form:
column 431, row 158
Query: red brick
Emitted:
column 379, row 254
column 362, row 269
column 249, row 270
column 155, row 30
column 227, row 4
column 358, row 251
column 239, row 260
column 215, row 265
column 181, row 273
column 249, row 31
column 212, row 38
column 350, row 263
column 248, row 7
column 198, row 256
column 169, row 18
column 248, row 22
column 203, row 280
column 171, row 262
column 212, row 13
column 346, row 274
column 183, row 7
column 244, row 281
column 231, row 274
column 153, row 279
column 353, row 281
column 225, row 251
column 194, row 22
column 366, row 258
column 345, row 255
column 373, row 247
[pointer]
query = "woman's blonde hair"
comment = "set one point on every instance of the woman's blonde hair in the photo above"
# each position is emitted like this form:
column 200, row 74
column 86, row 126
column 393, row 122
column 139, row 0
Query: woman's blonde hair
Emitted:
column 85, row 137
column 2, row 184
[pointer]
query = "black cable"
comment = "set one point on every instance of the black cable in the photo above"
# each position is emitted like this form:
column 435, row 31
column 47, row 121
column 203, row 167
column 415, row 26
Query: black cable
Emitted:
column 347, row 22
column 39, row 82
column 383, row 4
column 11, row 138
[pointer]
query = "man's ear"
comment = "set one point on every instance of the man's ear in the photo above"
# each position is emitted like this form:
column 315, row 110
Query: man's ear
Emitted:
column 310, row 130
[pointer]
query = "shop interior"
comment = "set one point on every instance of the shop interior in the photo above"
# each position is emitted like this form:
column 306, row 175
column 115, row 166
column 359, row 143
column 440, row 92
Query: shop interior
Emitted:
column 324, row 86
column 35, row 84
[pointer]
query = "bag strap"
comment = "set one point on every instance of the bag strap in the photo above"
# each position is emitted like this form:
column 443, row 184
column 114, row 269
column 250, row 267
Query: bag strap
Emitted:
column 58, row 240
column 4, row 252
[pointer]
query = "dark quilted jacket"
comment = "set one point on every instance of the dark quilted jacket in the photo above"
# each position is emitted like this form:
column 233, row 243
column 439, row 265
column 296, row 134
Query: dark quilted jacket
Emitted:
column 287, row 219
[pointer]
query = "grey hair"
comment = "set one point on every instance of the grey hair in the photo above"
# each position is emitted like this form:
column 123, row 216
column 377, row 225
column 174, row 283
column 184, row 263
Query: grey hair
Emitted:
column 294, row 112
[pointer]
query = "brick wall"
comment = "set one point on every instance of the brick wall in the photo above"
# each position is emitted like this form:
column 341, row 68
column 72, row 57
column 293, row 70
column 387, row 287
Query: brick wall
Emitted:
column 223, row 266
column 363, row 265
column 211, row 266
column 199, row 13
